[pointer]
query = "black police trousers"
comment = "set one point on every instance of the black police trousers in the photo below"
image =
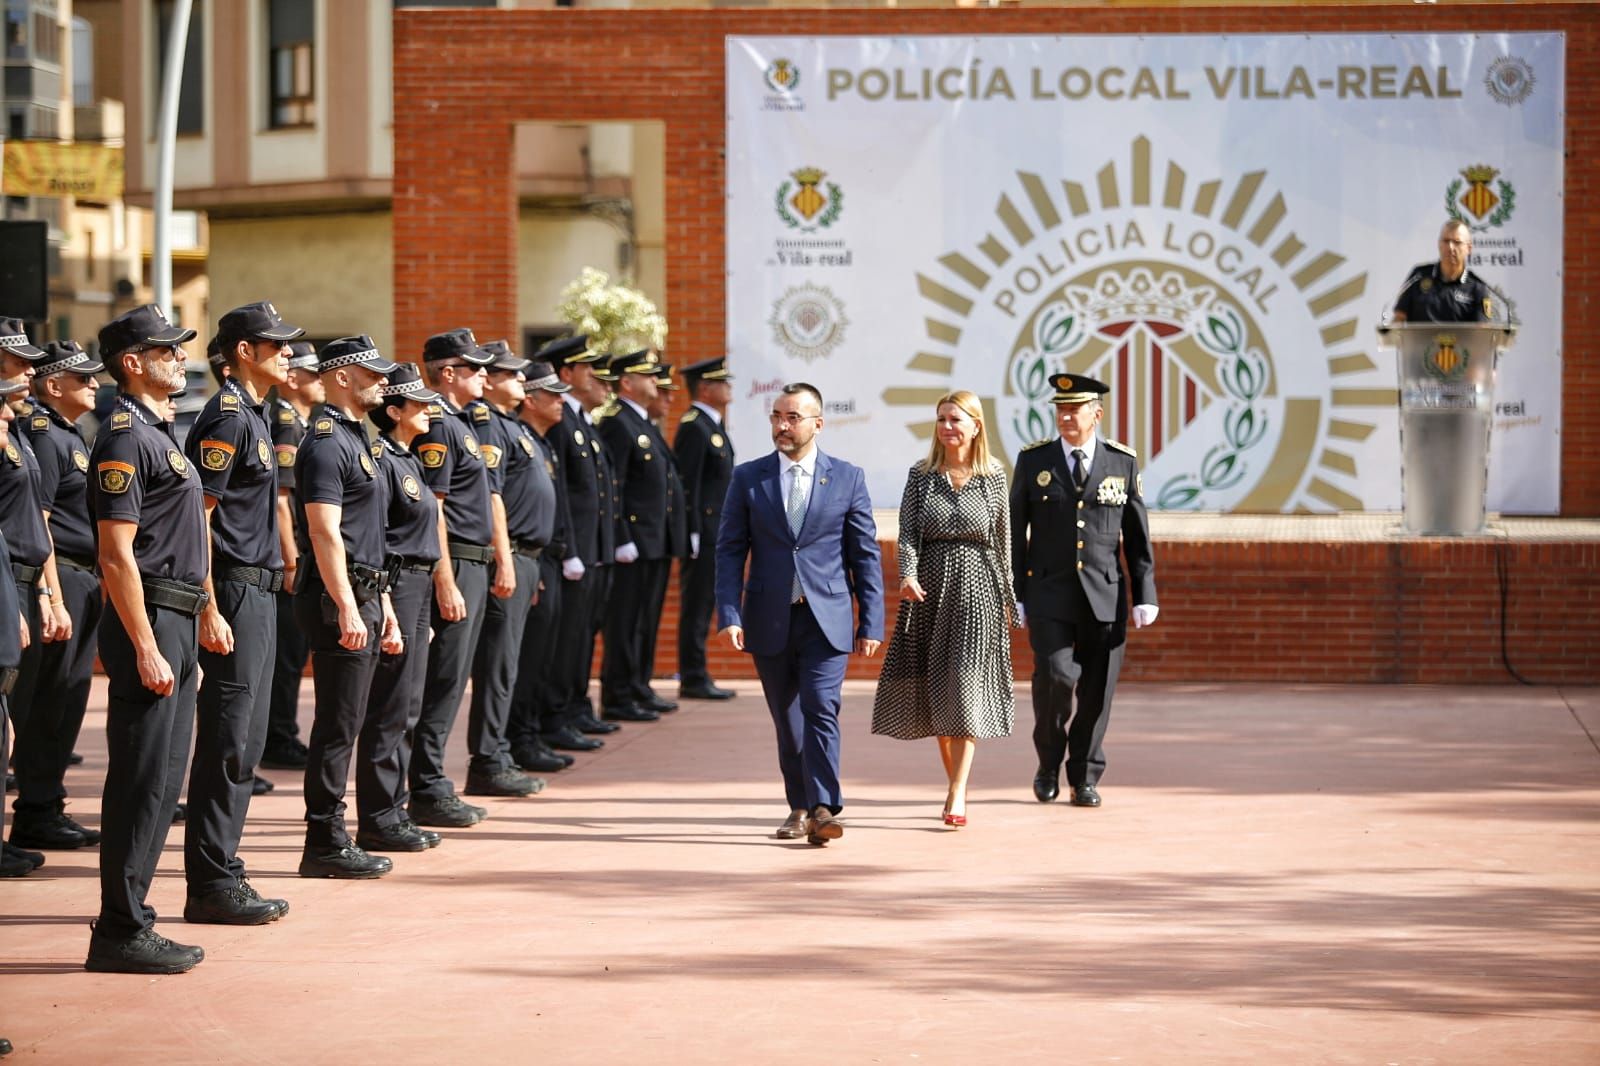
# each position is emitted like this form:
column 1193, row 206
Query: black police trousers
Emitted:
column 63, row 674
column 1073, row 660
column 394, row 703
column 696, row 577
column 630, row 625
column 283, row 725
column 537, row 703
column 494, row 672
column 581, row 604
column 449, row 665
column 147, row 745
column 230, row 732
column 341, row 679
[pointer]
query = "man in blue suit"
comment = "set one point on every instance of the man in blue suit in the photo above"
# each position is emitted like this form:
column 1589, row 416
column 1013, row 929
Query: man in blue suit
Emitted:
column 803, row 521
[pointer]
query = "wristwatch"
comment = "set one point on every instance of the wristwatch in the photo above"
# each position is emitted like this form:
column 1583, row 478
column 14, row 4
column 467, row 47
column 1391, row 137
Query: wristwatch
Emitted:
column 47, row 592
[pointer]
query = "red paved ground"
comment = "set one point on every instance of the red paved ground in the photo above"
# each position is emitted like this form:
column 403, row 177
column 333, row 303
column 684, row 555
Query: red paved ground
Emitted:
column 1285, row 875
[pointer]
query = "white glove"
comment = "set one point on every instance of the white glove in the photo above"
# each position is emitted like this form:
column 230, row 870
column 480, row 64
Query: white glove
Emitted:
column 628, row 553
column 1022, row 616
column 572, row 569
column 694, row 545
column 1144, row 614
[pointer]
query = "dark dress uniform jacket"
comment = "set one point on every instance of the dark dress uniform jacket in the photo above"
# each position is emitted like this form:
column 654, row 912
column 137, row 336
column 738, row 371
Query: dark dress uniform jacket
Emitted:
column 705, row 462
column 1064, row 546
column 643, row 468
column 576, row 447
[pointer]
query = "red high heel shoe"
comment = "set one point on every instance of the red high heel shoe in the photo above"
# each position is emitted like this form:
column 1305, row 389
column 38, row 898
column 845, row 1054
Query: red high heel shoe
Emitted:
column 956, row 820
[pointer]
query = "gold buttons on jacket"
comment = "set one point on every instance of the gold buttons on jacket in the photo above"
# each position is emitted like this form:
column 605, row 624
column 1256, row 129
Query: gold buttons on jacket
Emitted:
column 1080, row 523
column 1080, row 564
column 1080, row 505
column 1080, row 544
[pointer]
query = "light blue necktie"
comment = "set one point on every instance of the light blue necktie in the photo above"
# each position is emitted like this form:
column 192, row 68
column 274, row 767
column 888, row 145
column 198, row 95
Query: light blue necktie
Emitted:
column 797, row 517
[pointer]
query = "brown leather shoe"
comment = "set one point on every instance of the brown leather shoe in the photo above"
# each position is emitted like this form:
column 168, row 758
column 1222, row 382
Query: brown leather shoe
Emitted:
column 824, row 826
column 794, row 827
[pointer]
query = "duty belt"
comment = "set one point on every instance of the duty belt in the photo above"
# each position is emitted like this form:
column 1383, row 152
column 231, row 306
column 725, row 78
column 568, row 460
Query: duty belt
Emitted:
column 259, row 576
column 411, row 564
column 367, row 583
column 471, row 553
column 528, row 550
column 26, row 575
column 75, row 562
column 177, row 596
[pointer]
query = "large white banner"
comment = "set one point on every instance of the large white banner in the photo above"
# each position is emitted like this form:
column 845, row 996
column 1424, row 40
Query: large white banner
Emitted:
column 1212, row 225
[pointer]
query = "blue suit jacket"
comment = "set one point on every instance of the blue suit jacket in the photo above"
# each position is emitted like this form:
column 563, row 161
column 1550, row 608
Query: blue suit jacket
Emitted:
column 836, row 555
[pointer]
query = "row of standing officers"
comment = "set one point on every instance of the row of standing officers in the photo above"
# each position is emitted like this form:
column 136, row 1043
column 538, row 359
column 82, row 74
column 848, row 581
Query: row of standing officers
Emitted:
column 498, row 516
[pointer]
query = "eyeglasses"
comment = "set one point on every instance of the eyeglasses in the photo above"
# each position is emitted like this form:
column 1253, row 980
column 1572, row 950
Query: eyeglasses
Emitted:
column 470, row 368
column 790, row 420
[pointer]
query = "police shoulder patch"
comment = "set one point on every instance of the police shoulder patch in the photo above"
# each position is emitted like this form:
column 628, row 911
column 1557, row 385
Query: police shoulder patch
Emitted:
column 114, row 476
column 324, row 427
column 286, row 416
column 215, row 454
column 1118, row 446
column 432, row 454
column 491, row 456
column 1038, row 444
column 286, row 454
column 121, row 420
column 481, row 413
column 689, row 416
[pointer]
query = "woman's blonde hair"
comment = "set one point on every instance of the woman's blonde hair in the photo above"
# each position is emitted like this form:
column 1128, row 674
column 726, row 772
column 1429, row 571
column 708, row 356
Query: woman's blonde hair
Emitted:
column 969, row 405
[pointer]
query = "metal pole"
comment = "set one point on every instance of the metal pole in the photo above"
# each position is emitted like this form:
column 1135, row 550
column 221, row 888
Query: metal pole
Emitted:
column 166, row 141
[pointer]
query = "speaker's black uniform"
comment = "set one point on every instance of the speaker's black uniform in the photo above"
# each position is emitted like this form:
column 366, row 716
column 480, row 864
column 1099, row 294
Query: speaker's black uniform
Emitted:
column 138, row 475
column 230, row 446
column 705, row 462
column 1427, row 297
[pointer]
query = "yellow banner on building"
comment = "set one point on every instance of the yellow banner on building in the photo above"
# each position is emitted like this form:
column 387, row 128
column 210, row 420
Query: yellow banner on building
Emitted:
column 50, row 168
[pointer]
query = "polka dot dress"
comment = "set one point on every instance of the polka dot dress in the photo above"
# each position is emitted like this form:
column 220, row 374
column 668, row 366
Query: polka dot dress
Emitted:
column 948, row 668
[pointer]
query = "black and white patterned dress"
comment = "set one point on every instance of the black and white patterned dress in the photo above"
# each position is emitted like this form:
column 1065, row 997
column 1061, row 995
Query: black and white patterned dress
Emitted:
column 948, row 668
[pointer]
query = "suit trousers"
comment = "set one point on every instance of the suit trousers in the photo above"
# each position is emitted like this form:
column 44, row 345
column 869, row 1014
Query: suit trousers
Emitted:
column 574, row 649
column 624, row 670
column 802, row 685
column 147, row 746
column 64, row 670
column 494, row 672
column 283, row 718
column 1079, row 659
column 394, row 703
column 449, row 666
column 341, row 680
column 697, row 579
column 230, row 732
column 536, row 702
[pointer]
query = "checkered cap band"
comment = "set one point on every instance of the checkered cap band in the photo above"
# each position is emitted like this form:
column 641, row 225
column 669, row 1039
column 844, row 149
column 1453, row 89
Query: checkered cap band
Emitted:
column 60, row 366
column 366, row 355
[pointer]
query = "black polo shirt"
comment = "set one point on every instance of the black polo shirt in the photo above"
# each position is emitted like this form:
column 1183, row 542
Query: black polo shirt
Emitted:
column 1427, row 297
column 453, row 466
column 335, row 465
column 63, row 481
column 529, row 492
column 560, row 543
column 288, row 429
column 137, row 474
column 21, row 505
column 230, row 445
column 413, row 515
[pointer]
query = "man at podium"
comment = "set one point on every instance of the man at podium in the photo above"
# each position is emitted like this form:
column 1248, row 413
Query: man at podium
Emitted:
column 1446, row 291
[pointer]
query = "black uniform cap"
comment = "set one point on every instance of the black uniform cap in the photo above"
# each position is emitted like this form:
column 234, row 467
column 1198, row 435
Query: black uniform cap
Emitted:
column 146, row 326
column 61, row 357
column 455, row 344
column 1075, row 388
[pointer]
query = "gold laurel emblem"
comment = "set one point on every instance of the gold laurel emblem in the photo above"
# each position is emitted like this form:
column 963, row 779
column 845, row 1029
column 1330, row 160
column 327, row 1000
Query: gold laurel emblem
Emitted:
column 412, row 489
column 1043, row 479
column 115, row 477
column 179, row 464
column 286, row 454
column 41, row 422
column 472, row 444
column 263, row 452
column 577, row 435
column 14, row 455
column 366, row 464
column 716, row 440
column 644, row 441
column 527, row 444
column 808, row 201
column 120, row 419
column 81, row 461
column 432, row 455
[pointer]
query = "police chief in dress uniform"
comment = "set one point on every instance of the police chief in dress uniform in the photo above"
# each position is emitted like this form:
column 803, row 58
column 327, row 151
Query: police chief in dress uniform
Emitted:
column 1446, row 291
column 472, row 538
column 230, row 448
column 527, row 510
column 586, row 570
column 411, row 544
column 149, row 510
column 536, row 706
column 31, row 556
column 342, row 600
column 1075, row 500
column 705, row 462
column 290, row 409
column 64, row 391
column 648, row 529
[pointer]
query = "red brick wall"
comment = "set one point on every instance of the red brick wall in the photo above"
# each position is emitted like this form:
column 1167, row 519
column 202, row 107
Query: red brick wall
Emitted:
column 463, row 78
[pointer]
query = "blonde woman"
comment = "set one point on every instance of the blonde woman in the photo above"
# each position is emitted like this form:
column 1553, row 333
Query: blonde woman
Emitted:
column 948, row 670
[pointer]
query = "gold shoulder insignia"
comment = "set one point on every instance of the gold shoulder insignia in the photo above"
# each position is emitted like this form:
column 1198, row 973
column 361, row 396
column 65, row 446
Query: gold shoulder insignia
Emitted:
column 121, row 420
column 324, row 427
column 480, row 413
column 286, row 416
column 229, row 402
column 689, row 416
column 41, row 421
column 1038, row 444
column 1117, row 445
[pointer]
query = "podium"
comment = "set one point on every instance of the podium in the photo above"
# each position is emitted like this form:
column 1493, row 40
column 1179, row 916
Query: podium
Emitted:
column 1446, row 372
